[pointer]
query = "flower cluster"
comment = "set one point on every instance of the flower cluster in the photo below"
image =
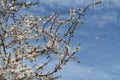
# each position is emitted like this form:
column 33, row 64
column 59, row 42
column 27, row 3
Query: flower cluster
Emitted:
column 28, row 38
column 72, row 12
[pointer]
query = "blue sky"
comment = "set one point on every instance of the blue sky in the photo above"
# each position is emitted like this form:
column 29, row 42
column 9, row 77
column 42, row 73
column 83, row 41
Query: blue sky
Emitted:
column 99, row 38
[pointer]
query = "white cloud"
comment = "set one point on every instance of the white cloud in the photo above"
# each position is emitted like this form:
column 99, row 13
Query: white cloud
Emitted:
column 62, row 4
column 103, row 19
column 73, row 71
column 73, row 3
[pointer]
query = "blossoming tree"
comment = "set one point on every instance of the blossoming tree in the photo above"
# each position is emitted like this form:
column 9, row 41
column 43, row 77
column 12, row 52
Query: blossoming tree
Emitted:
column 26, row 38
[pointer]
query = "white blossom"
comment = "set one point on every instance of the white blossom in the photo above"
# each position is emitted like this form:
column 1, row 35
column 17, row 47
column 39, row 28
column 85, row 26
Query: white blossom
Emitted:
column 2, row 3
column 52, row 44
column 72, row 12
column 76, row 49
column 28, row 72
column 60, row 56
column 27, row 3
column 20, row 37
column 39, row 19
column 29, row 50
column 13, row 8
column 15, row 71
